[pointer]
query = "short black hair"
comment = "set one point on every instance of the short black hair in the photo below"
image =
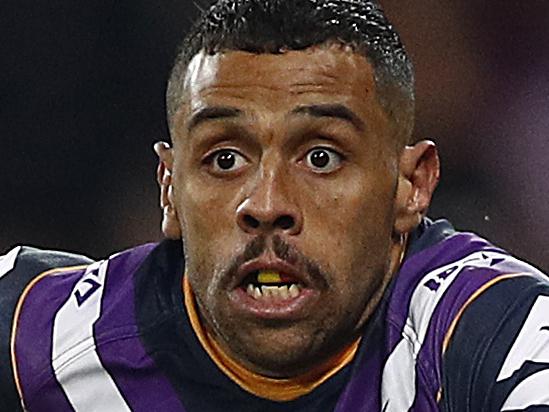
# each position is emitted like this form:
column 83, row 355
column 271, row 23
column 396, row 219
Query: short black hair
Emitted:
column 273, row 26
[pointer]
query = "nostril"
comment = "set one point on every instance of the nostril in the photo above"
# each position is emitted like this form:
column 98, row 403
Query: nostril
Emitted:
column 284, row 222
column 251, row 221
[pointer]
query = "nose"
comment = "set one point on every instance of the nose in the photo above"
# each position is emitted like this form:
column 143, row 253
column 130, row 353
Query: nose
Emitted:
column 269, row 209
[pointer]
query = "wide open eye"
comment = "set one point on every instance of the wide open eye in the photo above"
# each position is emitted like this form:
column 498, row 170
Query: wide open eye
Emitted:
column 227, row 160
column 323, row 160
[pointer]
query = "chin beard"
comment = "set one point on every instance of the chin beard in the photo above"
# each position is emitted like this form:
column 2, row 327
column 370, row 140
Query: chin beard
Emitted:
column 292, row 357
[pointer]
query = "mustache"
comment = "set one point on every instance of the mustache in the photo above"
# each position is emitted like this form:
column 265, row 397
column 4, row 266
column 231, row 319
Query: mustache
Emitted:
column 283, row 251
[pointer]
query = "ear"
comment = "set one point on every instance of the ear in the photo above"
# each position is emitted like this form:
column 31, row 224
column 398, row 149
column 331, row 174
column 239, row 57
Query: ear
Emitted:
column 418, row 178
column 170, row 222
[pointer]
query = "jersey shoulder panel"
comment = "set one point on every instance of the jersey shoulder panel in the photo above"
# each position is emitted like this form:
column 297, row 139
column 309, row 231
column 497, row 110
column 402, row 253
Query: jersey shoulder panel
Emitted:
column 27, row 261
column 428, row 295
column 23, row 263
column 498, row 356
column 89, row 350
column 18, row 267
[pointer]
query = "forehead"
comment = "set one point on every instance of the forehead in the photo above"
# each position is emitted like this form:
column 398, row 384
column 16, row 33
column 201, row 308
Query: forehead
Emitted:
column 327, row 74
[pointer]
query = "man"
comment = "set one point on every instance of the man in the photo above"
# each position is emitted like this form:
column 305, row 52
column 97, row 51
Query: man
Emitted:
column 307, row 278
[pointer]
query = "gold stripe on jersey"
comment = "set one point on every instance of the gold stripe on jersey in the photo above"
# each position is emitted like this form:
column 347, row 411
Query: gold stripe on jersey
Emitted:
column 472, row 298
column 279, row 390
column 17, row 313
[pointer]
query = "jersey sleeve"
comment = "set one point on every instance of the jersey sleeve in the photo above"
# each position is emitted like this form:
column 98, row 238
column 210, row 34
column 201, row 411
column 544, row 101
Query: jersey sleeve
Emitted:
column 498, row 355
column 17, row 268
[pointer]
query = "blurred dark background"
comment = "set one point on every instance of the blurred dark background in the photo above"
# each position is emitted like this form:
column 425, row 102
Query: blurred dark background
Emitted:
column 81, row 102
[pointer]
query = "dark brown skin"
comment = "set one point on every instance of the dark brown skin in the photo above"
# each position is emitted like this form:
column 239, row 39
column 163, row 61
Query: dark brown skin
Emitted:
column 348, row 218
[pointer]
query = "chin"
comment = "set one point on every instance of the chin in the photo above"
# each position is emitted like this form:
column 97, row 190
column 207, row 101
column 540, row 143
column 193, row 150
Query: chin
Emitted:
column 280, row 364
column 281, row 351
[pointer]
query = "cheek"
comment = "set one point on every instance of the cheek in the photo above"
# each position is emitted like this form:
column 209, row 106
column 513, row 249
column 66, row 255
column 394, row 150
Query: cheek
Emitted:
column 206, row 220
column 203, row 210
column 343, row 205
column 350, row 227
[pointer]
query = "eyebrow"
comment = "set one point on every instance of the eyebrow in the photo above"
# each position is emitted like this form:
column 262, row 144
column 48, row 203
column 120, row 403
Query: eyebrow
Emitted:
column 338, row 111
column 212, row 113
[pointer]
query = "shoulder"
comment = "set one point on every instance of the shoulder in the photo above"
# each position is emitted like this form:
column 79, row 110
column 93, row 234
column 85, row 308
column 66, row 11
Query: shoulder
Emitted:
column 436, row 286
column 22, row 265
column 24, row 261
column 442, row 279
column 46, row 299
column 497, row 354
column 18, row 268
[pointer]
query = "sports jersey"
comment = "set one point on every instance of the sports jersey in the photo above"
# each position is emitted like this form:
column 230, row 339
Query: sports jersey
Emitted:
column 463, row 326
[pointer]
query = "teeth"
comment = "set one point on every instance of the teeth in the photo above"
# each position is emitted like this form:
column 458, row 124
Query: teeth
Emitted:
column 293, row 291
column 269, row 291
column 273, row 292
column 283, row 292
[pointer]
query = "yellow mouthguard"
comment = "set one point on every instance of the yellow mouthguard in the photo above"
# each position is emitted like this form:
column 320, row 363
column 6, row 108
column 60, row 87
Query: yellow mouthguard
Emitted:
column 266, row 276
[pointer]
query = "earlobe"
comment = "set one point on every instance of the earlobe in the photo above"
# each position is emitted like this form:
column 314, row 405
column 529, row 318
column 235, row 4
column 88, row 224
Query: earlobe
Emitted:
column 418, row 178
column 170, row 221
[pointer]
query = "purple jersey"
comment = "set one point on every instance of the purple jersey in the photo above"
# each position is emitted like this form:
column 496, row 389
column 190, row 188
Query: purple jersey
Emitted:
column 113, row 335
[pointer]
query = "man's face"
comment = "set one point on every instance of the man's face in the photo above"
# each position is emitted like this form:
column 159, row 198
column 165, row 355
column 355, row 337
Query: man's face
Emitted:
column 284, row 180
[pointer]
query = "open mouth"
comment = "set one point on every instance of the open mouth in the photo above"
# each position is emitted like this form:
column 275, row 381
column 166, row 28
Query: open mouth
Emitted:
column 273, row 289
column 271, row 285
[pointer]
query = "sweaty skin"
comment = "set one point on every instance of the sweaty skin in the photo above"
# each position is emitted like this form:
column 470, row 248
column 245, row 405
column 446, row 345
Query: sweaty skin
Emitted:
column 343, row 218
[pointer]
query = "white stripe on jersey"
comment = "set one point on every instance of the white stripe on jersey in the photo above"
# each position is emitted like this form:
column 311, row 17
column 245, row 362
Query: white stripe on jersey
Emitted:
column 7, row 262
column 531, row 345
column 398, row 388
column 75, row 361
column 531, row 392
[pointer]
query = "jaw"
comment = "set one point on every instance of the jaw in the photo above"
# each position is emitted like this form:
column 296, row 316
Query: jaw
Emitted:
column 284, row 337
column 278, row 349
column 281, row 346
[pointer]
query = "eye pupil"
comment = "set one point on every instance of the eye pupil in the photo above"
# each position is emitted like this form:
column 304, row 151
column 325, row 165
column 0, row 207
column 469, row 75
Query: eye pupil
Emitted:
column 320, row 158
column 226, row 160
